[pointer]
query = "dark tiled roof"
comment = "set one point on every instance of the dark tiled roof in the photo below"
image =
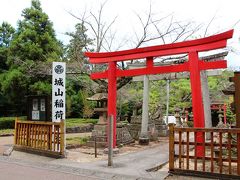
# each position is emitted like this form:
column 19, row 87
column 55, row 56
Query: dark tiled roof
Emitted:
column 98, row 97
column 229, row 90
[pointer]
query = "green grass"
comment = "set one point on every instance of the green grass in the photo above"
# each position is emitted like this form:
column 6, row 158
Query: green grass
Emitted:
column 75, row 122
column 7, row 123
column 6, row 131
column 77, row 140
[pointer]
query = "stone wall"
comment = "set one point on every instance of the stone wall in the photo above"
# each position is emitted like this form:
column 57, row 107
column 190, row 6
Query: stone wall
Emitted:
column 80, row 129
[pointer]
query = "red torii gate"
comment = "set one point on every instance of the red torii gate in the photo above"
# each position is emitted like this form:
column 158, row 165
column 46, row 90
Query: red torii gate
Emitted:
column 193, row 65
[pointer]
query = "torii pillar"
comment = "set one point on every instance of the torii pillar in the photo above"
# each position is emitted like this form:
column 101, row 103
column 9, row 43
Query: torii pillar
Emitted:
column 143, row 138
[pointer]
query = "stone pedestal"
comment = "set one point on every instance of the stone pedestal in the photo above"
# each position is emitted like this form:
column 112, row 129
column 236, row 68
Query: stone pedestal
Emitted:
column 162, row 130
column 135, row 127
column 99, row 133
column 123, row 135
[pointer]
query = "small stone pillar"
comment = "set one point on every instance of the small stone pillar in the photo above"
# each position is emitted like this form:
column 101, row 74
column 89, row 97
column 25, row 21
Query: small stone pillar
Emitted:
column 184, row 121
column 177, row 116
column 220, row 116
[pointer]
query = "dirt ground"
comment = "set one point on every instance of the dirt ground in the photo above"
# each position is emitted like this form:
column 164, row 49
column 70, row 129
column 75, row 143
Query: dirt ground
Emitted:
column 88, row 153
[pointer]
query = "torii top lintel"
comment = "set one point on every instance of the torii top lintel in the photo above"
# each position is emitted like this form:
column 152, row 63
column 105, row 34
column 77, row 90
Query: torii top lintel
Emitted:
column 199, row 45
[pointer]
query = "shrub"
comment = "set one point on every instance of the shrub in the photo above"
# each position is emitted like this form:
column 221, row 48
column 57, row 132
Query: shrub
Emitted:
column 190, row 123
column 7, row 123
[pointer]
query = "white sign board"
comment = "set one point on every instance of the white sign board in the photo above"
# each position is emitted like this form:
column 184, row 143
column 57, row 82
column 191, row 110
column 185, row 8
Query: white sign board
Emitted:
column 35, row 115
column 58, row 91
column 171, row 119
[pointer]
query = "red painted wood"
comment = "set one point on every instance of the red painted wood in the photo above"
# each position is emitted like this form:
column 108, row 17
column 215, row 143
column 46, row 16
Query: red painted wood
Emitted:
column 149, row 62
column 207, row 40
column 194, row 65
column 164, row 52
column 100, row 75
column 197, row 103
column 161, row 69
column 112, row 97
column 153, row 70
column 203, row 65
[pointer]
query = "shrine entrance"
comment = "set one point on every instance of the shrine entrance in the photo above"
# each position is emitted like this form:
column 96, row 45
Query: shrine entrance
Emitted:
column 194, row 65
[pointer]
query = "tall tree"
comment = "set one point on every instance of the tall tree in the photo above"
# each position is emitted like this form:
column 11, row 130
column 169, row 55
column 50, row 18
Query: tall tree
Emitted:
column 6, row 35
column 34, row 42
column 77, row 45
column 35, row 38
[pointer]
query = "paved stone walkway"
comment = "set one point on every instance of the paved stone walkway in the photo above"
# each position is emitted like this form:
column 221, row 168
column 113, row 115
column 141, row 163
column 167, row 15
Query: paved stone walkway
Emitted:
column 5, row 143
column 126, row 166
column 20, row 171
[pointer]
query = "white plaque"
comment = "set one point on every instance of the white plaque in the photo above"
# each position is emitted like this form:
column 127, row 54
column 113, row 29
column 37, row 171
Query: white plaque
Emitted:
column 35, row 105
column 58, row 91
column 42, row 105
column 35, row 115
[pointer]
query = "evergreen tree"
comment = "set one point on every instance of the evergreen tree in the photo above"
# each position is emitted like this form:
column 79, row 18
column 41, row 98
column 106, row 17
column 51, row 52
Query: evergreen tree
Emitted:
column 6, row 34
column 77, row 46
column 35, row 38
column 34, row 42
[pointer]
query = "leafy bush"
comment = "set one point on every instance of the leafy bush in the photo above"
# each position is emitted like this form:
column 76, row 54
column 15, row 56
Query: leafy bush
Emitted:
column 190, row 123
column 8, row 122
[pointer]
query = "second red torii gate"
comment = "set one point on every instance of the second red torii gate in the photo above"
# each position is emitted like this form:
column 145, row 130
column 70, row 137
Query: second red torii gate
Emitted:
column 193, row 65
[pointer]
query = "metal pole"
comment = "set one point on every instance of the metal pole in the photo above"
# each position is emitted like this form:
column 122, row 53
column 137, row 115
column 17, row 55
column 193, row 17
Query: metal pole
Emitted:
column 167, row 103
column 95, row 145
column 110, row 141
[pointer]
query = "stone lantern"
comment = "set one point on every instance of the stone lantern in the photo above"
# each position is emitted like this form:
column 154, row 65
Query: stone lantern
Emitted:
column 177, row 116
column 100, row 128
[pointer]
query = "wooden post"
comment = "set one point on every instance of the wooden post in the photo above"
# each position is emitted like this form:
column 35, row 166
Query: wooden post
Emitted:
column 16, row 131
column 171, row 147
column 237, row 98
column 236, row 80
column 110, row 141
column 238, row 154
column 112, row 97
column 95, row 145
column 62, row 139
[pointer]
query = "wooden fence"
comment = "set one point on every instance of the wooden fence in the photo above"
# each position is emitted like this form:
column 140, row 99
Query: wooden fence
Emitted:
column 220, row 156
column 40, row 137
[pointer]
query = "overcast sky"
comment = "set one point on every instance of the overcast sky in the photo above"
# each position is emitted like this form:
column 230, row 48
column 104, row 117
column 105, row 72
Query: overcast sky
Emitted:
column 225, row 11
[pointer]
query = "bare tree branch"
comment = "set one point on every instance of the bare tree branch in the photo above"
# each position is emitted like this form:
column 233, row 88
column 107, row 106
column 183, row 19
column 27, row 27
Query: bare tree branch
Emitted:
column 205, row 33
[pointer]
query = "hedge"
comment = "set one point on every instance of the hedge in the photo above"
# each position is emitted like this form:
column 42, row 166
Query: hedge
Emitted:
column 7, row 123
